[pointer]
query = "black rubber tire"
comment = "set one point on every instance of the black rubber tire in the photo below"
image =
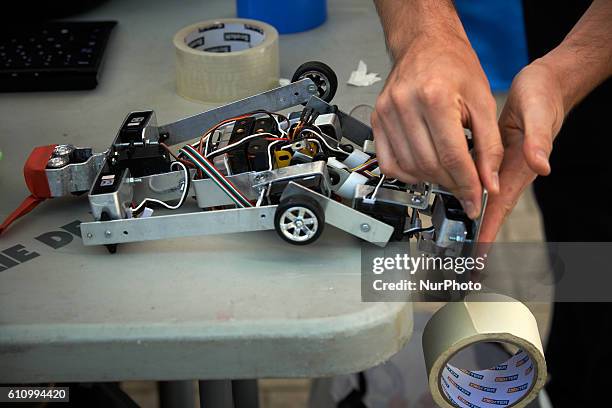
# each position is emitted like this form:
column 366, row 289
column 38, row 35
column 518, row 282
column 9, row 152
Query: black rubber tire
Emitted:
column 318, row 71
column 305, row 202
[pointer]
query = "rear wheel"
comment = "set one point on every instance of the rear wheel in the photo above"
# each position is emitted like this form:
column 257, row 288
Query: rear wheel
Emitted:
column 299, row 220
column 323, row 77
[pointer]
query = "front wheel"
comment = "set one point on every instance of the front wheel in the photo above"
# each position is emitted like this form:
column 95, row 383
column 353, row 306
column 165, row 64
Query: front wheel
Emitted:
column 299, row 220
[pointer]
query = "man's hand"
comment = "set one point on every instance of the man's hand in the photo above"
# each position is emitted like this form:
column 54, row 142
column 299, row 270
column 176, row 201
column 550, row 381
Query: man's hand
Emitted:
column 529, row 122
column 436, row 88
column 539, row 98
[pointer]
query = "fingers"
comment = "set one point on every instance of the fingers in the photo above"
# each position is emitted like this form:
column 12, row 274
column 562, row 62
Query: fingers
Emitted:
column 537, row 145
column 487, row 142
column 398, row 142
column 535, row 105
column 498, row 208
column 425, row 138
column 531, row 118
column 386, row 158
column 514, row 175
column 425, row 161
column 446, row 130
column 420, row 117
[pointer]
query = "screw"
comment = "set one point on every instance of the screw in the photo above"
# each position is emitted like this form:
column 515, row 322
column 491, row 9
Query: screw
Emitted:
column 89, row 235
column 312, row 88
column 416, row 199
column 365, row 227
column 107, row 233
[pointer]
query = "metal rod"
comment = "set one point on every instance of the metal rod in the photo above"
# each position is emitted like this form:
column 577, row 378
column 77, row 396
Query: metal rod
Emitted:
column 178, row 225
column 273, row 100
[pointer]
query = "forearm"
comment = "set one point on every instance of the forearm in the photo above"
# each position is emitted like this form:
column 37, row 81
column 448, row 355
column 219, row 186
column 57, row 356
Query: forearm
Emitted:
column 584, row 59
column 405, row 20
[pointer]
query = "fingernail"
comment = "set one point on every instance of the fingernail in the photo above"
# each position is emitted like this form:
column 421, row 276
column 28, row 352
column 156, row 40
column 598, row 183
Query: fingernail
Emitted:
column 495, row 180
column 469, row 207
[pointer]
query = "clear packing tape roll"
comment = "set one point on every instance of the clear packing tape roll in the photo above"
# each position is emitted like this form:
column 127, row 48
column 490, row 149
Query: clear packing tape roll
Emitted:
column 224, row 60
column 484, row 318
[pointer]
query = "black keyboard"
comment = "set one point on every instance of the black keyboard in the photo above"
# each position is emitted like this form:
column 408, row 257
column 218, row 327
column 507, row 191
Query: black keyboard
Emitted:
column 52, row 56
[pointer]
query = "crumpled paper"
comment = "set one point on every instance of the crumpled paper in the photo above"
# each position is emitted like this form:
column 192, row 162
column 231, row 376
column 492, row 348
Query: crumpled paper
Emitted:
column 360, row 77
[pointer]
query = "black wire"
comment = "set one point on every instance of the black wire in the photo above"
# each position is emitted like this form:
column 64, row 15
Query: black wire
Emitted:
column 252, row 113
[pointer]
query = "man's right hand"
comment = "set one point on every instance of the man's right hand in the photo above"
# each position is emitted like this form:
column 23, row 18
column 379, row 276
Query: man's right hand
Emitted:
column 436, row 88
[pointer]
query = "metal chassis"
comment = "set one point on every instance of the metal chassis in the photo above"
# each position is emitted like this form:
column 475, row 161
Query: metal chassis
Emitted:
column 123, row 230
column 273, row 100
column 231, row 221
column 252, row 183
column 79, row 177
column 75, row 178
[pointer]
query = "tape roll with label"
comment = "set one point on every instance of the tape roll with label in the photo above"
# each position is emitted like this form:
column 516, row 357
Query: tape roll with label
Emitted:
column 484, row 318
column 225, row 60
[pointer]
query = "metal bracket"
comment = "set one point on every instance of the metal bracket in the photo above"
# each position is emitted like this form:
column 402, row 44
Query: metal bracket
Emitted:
column 164, row 186
column 352, row 129
column 178, row 225
column 449, row 237
column 344, row 217
column 388, row 195
column 208, row 194
column 273, row 100
column 317, row 168
column 74, row 177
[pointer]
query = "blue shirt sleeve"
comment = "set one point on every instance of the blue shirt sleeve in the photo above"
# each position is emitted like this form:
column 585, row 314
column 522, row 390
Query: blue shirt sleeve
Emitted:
column 497, row 32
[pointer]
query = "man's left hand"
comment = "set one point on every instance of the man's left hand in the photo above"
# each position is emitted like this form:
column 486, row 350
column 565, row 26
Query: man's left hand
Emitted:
column 529, row 122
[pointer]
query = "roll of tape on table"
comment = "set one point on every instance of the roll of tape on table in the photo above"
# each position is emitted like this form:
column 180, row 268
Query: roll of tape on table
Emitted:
column 484, row 318
column 227, row 59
